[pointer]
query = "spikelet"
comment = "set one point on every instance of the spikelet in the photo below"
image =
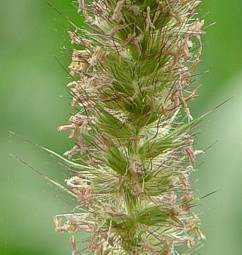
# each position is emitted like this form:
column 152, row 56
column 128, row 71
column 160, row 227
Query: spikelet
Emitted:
column 133, row 69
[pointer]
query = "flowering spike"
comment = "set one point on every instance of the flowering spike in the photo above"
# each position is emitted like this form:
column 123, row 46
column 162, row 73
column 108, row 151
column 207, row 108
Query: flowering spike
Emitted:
column 132, row 71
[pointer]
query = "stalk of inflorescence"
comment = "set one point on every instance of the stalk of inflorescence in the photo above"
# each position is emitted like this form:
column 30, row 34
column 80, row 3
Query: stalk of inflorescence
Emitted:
column 133, row 68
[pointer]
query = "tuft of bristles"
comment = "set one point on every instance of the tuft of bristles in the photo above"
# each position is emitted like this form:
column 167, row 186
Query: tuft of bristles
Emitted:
column 133, row 69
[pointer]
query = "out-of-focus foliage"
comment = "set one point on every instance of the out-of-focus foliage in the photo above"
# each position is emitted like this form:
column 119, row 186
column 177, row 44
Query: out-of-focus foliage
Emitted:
column 32, row 82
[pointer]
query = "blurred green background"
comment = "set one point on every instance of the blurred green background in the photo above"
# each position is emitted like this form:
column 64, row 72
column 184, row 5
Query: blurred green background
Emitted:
column 34, row 101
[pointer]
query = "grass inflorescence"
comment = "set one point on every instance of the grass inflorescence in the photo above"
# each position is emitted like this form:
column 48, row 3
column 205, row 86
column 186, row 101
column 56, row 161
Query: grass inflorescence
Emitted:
column 133, row 71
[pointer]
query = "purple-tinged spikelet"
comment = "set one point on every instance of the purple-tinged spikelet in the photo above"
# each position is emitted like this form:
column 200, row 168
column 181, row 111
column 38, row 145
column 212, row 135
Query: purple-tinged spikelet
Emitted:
column 132, row 69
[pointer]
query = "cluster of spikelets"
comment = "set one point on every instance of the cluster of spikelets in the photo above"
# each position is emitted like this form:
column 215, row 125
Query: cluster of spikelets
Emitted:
column 133, row 67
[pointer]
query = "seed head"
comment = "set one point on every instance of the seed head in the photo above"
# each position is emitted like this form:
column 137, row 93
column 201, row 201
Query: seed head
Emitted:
column 133, row 69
